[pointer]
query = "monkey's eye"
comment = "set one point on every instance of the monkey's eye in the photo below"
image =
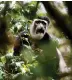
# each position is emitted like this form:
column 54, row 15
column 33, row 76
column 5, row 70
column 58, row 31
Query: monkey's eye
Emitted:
column 43, row 23
column 37, row 22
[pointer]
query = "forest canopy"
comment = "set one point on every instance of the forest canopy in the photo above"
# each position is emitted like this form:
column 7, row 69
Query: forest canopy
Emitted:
column 32, row 64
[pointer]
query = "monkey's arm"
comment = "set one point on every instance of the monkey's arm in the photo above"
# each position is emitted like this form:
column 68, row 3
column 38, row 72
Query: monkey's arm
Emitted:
column 17, row 46
column 21, row 40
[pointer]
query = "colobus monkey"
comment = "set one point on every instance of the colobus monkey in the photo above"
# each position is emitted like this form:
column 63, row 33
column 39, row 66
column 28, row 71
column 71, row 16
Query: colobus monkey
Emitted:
column 39, row 33
column 39, row 27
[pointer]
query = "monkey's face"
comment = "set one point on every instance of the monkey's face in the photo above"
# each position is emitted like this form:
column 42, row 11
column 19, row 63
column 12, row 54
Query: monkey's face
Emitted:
column 38, row 29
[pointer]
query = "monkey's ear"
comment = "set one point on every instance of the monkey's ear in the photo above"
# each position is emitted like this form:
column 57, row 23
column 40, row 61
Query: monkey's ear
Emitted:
column 44, row 18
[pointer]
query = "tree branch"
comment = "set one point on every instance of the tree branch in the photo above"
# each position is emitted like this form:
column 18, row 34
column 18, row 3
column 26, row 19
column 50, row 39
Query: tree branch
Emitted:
column 61, row 22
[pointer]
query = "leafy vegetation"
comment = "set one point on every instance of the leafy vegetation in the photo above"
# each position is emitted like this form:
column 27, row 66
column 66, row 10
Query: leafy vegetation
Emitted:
column 16, row 16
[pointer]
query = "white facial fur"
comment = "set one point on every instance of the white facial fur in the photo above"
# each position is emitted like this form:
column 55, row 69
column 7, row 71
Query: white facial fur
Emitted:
column 33, row 33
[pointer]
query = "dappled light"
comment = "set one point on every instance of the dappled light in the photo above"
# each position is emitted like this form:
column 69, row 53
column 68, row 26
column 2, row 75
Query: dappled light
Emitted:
column 35, row 40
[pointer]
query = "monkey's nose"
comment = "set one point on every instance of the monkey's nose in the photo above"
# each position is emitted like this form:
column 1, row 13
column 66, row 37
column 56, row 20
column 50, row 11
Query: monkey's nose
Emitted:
column 40, row 30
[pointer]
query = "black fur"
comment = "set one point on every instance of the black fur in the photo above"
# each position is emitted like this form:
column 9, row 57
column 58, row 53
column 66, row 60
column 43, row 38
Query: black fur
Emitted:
column 20, row 42
column 44, row 18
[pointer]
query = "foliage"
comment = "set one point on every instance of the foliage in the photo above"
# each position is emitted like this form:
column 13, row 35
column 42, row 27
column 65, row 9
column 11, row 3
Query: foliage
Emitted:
column 30, row 65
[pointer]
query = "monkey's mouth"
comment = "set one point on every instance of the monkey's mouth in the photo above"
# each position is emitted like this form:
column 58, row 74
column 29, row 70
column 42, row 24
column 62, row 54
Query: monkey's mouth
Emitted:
column 39, row 31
